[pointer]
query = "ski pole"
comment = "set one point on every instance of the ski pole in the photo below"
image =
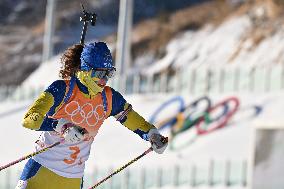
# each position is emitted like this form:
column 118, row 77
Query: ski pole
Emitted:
column 28, row 156
column 123, row 167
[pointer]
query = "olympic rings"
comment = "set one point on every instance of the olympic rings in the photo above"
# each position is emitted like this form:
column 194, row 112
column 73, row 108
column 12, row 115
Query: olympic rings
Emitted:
column 87, row 113
column 171, row 120
column 205, row 119
column 224, row 121
column 189, row 119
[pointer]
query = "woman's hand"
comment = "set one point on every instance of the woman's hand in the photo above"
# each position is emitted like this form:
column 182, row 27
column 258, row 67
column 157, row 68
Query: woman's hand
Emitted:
column 158, row 142
column 69, row 131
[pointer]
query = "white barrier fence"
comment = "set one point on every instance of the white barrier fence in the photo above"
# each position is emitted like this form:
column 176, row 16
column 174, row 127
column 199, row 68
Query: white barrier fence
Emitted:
column 186, row 81
column 204, row 80
column 210, row 174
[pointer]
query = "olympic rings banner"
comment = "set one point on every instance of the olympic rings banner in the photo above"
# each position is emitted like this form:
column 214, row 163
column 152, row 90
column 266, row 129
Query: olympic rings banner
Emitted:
column 201, row 115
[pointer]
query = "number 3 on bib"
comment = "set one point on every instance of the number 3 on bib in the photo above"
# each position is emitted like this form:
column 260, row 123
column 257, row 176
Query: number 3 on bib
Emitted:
column 73, row 156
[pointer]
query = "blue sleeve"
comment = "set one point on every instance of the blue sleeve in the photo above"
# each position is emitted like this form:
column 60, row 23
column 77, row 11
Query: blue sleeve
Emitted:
column 57, row 90
column 118, row 103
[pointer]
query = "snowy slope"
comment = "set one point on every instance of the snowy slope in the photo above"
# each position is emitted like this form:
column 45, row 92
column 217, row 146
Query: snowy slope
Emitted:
column 45, row 74
column 230, row 44
column 113, row 147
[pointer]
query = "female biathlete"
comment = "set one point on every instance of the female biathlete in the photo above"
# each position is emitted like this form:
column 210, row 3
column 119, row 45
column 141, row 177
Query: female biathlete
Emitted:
column 72, row 110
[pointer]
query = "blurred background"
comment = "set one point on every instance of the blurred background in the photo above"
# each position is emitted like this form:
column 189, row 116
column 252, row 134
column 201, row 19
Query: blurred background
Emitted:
column 208, row 73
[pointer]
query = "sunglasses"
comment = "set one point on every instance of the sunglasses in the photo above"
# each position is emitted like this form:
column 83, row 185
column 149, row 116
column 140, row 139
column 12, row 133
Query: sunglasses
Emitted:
column 103, row 73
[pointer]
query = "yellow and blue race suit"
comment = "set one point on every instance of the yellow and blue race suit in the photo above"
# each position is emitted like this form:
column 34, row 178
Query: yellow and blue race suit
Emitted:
column 49, row 169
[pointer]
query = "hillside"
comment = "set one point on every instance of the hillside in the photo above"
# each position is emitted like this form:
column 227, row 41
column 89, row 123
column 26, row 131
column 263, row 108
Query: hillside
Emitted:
column 22, row 27
column 20, row 52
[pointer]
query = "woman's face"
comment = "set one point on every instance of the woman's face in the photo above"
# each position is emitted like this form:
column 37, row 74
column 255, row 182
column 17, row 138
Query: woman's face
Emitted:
column 102, row 75
column 95, row 79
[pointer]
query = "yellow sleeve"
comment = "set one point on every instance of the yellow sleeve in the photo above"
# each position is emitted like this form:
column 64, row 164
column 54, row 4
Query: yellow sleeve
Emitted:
column 134, row 121
column 35, row 116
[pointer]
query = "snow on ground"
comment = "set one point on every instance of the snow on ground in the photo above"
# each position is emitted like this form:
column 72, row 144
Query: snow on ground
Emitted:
column 116, row 145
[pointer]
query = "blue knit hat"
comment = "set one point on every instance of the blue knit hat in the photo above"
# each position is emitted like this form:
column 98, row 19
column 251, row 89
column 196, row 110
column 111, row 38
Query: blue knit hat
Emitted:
column 96, row 55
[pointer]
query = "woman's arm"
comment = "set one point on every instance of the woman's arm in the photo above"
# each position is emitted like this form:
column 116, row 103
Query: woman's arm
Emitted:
column 128, row 117
column 37, row 116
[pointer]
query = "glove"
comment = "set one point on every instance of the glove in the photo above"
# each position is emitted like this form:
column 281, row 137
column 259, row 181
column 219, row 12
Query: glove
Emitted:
column 158, row 142
column 69, row 131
